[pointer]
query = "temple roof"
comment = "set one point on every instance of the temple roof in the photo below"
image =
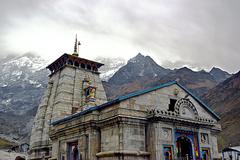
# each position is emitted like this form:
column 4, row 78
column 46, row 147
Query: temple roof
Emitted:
column 72, row 60
column 134, row 94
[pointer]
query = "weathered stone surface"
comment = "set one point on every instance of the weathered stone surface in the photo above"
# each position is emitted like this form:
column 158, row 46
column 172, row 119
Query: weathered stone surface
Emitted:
column 63, row 93
column 110, row 138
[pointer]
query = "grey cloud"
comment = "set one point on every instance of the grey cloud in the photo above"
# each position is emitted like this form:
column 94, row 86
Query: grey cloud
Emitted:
column 201, row 33
column 22, row 10
column 192, row 65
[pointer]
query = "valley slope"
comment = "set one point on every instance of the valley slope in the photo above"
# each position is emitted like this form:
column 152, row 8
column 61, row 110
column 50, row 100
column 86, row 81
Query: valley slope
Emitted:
column 225, row 100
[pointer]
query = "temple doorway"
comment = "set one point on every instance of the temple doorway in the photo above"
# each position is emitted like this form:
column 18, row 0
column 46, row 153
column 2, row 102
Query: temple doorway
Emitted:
column 73, row 151
column 184, row 148
column 206, row 154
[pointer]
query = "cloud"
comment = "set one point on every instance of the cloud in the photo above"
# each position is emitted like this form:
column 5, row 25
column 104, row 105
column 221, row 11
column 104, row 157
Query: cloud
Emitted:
column 200, row 33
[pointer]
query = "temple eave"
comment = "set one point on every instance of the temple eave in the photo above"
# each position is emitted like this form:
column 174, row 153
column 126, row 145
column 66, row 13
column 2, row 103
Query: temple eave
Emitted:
column 72, row 60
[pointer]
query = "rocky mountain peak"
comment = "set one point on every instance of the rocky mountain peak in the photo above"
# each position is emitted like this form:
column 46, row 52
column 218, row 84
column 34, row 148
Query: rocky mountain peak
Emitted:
column 139, row 67
column 184, row 70
column 219, row 74
column 138, row 58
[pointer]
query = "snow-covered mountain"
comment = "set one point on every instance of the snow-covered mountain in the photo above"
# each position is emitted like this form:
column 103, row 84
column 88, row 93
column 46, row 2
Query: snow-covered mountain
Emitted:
column 24, row 73
column 23, row 80
column 21, row 68
column 111, row 66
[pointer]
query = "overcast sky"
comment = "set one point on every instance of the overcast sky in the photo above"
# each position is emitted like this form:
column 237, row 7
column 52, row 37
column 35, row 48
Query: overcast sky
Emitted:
column 195, row 33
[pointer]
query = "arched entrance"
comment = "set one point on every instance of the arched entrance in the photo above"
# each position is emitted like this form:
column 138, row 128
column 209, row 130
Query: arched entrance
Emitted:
column 184, row 148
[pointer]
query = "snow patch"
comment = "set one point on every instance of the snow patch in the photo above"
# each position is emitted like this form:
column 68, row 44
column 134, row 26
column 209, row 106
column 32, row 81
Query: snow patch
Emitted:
column 107, row 75
column 6, row 102
column 39, row 85
column 17, row 73
column 111, row 66
column 35, row 63
column 133, row 61
column 33, row 82
column 4, row 85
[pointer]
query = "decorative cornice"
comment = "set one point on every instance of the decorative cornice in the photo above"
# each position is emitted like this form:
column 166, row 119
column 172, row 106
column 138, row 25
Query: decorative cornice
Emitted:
column 74, row 61
column 156, row 114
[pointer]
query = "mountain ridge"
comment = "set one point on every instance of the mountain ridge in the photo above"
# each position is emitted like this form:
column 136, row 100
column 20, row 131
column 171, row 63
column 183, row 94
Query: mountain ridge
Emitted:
column 137, row 74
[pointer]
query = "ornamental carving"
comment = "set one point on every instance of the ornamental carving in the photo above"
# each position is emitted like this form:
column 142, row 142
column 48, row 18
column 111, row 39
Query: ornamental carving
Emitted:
column 166, row 134
column 185, row 108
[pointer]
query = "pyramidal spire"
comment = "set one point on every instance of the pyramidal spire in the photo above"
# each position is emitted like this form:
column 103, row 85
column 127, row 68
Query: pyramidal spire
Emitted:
column 76, row 47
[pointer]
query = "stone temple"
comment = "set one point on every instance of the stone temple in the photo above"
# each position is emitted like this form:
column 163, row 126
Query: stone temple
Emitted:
column 75, row 121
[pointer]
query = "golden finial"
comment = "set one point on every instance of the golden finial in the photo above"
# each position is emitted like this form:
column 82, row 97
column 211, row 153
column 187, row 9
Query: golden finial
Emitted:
column 76, row 47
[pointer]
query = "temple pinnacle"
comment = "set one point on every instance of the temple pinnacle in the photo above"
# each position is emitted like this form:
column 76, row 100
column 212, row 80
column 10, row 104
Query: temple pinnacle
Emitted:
column 76, row 47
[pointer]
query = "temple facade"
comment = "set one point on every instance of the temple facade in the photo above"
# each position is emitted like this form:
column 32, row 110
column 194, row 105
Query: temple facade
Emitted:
column 76, row 122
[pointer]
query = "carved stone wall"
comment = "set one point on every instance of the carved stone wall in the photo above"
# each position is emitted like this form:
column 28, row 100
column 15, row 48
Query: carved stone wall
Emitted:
column 64, row 92
column 110, row 138
column 126, row 131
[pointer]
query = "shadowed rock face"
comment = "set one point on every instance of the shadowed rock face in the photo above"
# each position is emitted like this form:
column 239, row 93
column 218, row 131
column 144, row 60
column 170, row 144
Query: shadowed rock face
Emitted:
column 198, row 82
column 225, row 100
